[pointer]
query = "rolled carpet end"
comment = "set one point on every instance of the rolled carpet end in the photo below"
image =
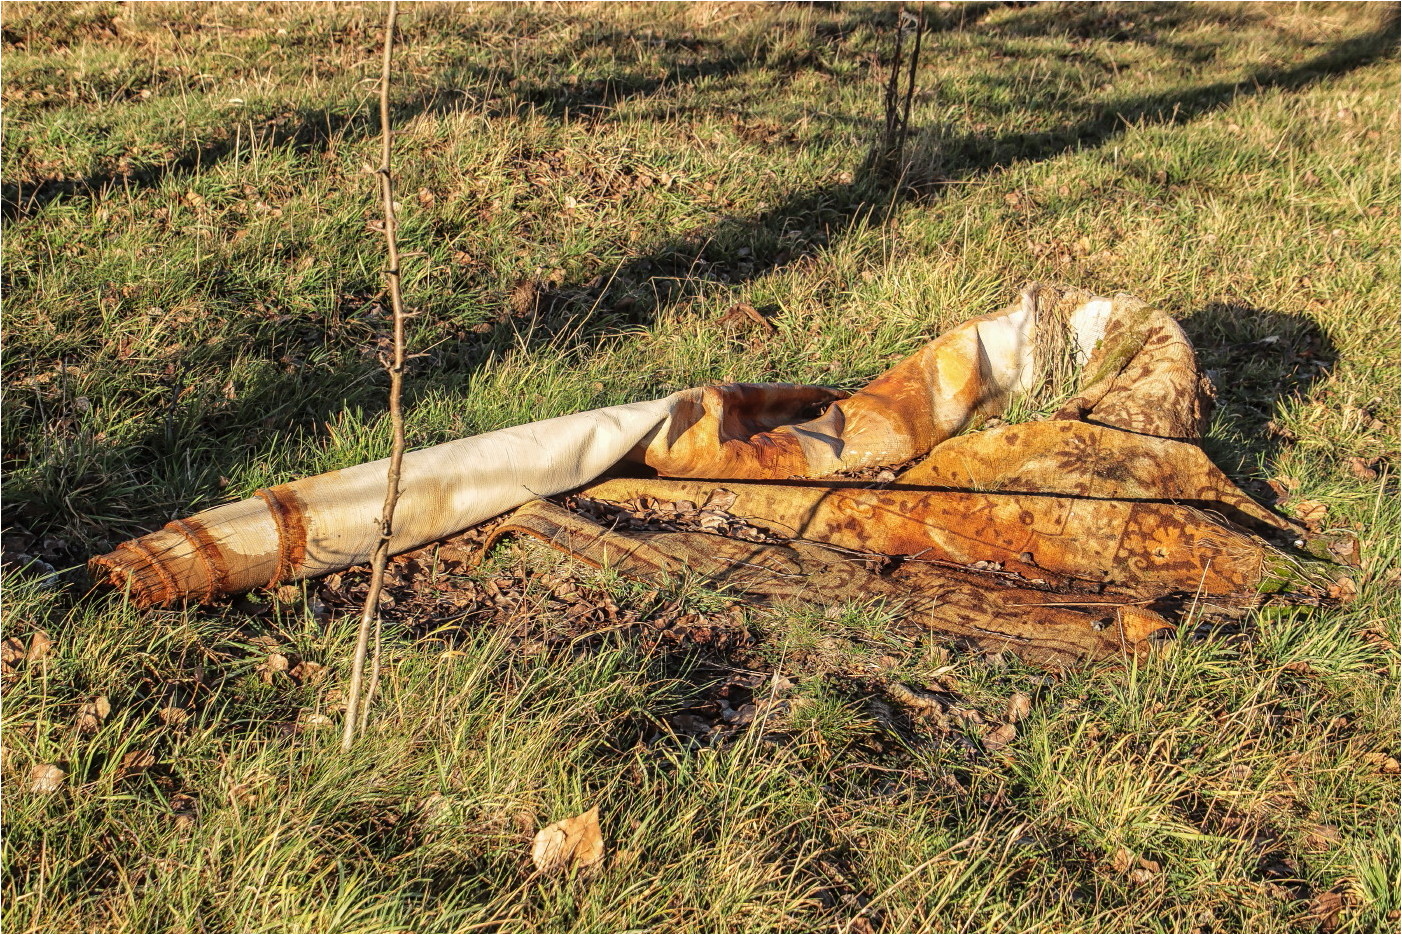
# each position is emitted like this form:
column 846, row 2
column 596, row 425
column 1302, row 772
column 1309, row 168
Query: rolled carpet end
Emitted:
column 131, row 569
column 196, row 559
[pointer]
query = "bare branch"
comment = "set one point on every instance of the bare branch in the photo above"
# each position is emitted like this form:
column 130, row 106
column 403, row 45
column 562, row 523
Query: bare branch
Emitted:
column 369, row 613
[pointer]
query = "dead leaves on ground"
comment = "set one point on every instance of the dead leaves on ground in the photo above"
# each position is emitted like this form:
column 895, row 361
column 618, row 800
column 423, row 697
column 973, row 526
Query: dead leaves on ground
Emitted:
column 46, row 778
column 943, row 710
column 1382, row 763
column 1365, row 469
column 1324, row 912
column 570, row 844
column 15, row 652
column 743, row 316
column 1139, row 870
column 1312, row 513
column 91, row 715
column 271, row 665
column 135, row 762
column 1019, row 706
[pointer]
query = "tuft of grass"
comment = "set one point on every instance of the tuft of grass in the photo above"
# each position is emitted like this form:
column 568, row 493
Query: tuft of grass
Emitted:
column 191, row 302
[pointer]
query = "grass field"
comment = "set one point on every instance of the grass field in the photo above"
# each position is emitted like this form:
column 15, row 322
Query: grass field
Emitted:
column 192, row 299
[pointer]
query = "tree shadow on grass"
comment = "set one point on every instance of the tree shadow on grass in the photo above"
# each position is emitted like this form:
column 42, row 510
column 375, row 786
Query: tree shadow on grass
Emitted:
column 810, row 221
column 496, row 90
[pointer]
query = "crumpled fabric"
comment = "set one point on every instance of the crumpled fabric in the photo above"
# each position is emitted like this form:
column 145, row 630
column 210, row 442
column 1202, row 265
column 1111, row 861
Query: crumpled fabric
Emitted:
column 1109, row 505
column 1081, row 537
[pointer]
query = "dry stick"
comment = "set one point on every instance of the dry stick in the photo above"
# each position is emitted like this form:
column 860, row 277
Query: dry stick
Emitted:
column 395, row 366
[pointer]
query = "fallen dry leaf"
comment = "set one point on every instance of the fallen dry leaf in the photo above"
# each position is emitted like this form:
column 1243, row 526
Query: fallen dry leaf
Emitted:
column 275, row 663
column 91, row 715
column 1141, row 875
column 1019, row 706
column 1362, row 468
column 1310, row 512
column 1324, row 910
column 1121, row 860
column 720, row 500
column 184, row 810
column 1237, row 772
column 133, row 762
column 1345, row 548
column 312, row 721
column 39, row 646
column 742, row 314
column 1000, row 736
column 1387, row 765
column 11, row 651
column 919, row 701
column 574, row 843
column 1343, row 589
column 172, row 715
column 524, row 297
column 306, row 672
column 45, row 779
column 1322, row 837
column 1141, row 870
column 250, row 789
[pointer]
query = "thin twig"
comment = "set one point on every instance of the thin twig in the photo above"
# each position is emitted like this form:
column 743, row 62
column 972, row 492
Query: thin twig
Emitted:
column 395, row 366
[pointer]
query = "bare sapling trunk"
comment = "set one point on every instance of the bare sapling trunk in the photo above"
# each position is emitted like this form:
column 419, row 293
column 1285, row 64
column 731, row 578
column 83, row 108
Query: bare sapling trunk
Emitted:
column 369, row 616
column 888, row 162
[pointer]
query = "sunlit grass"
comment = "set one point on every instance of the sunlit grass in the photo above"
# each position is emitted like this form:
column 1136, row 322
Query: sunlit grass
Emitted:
column 191, row 299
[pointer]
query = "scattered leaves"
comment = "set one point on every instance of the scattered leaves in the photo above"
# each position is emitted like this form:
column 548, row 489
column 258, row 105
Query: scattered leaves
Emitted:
column 1382, row 763
column 1322, row 837
column 91, row 715
column 310, row 720
column 14, row 650
column 184, row 810
column 1363, row 468
column 271, row 666
column 173, row 715
column 1140, row 870
column 1343, row 589
column 524, row 298
column 1322, row 913
column 742, row 315
column 39, row 646
column 307, row 673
